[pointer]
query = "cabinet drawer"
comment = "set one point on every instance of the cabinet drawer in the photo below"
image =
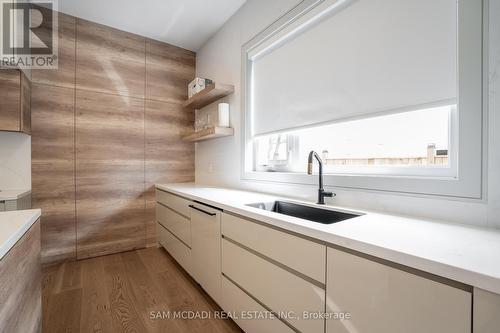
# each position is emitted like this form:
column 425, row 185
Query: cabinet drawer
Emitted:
column 174, row 222
column 304, row 256
column 384, row 299
column 277, row 288
column 180, row 252
column 205, row 250
column 237, row 302
column 179, row 204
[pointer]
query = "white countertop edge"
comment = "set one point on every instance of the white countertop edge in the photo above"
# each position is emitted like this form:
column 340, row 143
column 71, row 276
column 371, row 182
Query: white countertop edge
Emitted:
column 6, row 195
column 19, row 232
column 466, row 276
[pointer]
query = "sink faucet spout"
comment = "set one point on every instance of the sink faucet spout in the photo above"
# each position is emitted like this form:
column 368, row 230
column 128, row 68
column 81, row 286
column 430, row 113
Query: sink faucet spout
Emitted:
column 321, row 191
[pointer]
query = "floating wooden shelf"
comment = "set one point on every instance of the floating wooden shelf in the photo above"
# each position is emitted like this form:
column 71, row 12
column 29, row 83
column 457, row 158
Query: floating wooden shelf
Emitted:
column 210, row 133
column 210, row 94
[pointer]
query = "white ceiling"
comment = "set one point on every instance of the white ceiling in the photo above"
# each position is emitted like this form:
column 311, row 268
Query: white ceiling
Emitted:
column 185, row 23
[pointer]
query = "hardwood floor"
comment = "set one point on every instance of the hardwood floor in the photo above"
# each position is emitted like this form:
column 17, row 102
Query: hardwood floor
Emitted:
column 118, row 293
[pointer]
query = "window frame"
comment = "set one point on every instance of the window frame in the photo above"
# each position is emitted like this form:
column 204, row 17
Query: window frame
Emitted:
column 467, row 135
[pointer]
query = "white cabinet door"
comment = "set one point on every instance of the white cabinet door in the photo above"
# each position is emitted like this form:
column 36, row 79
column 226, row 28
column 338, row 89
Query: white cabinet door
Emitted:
column 174, row 202
column 486, row 311
column 302, row 255
column 177, row 249
column 300, row 301
column 383, row 299
column 177, row 224
column 205, row 244
column 247, row 313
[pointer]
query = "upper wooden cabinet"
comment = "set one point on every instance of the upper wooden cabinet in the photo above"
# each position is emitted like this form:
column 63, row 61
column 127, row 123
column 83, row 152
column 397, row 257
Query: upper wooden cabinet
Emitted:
column 15, row 101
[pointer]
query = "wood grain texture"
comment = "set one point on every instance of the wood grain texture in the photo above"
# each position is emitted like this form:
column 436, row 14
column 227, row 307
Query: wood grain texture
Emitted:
column 20, row 289
column 109, row 60
column 25, row 104
column 53, row 170
column 109, row 174
column 209, row 134
column 10, row 109
column 64, row 76
column 116, row 294
column 169, row 69
column 123, row 143
column 168, row 158
column 210, row 94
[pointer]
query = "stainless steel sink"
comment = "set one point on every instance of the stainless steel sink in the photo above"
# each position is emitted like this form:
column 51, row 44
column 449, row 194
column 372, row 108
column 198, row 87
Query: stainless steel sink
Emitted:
column 320, row 215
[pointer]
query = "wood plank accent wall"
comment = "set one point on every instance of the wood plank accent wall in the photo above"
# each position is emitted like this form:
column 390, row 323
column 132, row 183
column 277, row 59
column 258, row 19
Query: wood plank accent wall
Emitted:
column 107, row 126
column 109, row 174
column 53, row 169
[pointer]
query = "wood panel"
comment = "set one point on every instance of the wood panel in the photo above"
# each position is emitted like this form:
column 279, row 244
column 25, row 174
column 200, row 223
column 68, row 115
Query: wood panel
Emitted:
column 169, row 69
column 209, row 133
column 109, row 60
column 53, row 170
column 25, row 106
column 116, row 293
column 64, row 76
column 20, row 290
column 210, row 94
column 10, row 86
column 168, row 158
column 113, row 180
column 109, row 174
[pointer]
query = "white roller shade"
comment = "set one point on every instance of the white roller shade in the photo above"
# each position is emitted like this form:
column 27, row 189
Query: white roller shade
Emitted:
column 368, row 57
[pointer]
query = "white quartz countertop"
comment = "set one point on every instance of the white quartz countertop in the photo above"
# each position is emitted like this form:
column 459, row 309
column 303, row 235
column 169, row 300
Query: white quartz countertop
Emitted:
column 467, row 254
column 12, row 194
column 13, row 225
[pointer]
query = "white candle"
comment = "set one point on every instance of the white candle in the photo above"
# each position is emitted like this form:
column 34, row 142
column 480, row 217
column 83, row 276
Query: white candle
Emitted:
column 223, row 115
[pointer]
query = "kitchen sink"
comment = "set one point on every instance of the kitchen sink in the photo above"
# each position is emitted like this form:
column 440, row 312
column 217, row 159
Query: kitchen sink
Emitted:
column 320, row 215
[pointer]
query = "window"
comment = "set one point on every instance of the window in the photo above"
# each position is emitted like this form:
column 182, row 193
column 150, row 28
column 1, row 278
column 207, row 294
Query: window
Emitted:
column 409, row 143
column 390, row 96
column 276, row 152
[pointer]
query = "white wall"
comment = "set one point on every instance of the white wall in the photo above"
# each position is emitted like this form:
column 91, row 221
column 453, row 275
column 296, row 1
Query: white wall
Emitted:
column 218, row 161
column 15, row 161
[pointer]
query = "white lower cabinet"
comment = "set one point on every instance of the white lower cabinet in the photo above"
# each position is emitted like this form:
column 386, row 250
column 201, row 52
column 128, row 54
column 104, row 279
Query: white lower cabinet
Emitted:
column 257, row 273
column 300, row 254
column 283, row 292
column 177, row 224
column 247, row 313
column 383, row 299
column 486, row 311
column 177, row 249
column 206, row 251
column 174, row 202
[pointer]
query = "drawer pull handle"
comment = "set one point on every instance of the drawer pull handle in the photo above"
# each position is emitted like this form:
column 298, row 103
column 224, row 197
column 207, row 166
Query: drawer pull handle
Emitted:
column 203, row 211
